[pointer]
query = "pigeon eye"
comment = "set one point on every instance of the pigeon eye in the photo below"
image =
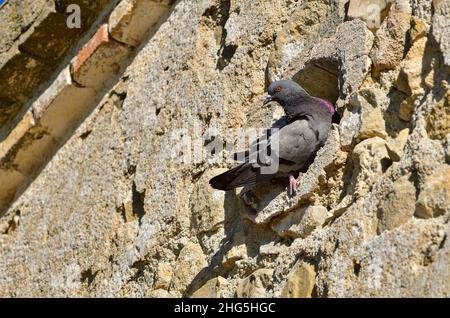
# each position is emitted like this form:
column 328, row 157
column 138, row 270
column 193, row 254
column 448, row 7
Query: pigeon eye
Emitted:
column 278, row 89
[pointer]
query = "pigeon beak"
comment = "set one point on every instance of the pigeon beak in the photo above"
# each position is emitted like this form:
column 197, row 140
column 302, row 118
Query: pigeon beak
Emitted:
column 267, row 99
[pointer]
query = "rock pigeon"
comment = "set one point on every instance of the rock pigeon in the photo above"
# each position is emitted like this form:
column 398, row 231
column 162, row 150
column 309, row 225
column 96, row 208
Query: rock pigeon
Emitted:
column 301, row 133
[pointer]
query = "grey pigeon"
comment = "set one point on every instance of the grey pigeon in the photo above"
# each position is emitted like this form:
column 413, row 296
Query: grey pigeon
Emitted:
column 302, row 131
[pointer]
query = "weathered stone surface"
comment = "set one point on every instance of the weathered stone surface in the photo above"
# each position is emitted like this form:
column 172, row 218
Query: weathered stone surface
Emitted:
column 213, row 288
column 300, row 282
column 41, row 40
column 373, row 12
column 370, row 160
column 366, row 107
column 347, row 49
column 163, row 276
column 398, row 206
column 410, row 79
column 20, row 76
column 62, row 106
column 235, row 254
column 49, row 38
column 434, row 198
column 99, row 60
column 390, row 39
column 407, row 108
column 207, row 205
column 372, row 124
column 396, row 146
column 438, row 121
column 271, row 249
column 310, row 19
column 15, row 16
column 132, row 20
column 255, row 285
column 301, row 222
column 190, row 261
column 349, row 127
column 109, row 215
column 158, row 293
column 441, row 27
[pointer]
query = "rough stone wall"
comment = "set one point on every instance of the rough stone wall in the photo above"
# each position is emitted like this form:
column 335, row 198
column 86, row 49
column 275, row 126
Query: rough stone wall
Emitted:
column 113, row 213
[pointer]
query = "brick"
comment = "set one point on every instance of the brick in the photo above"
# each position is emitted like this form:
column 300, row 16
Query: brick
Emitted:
column 99, row 60
column 19, row 131
column 20, row 76
column 15, row 17
column 62, row 106
column 12, row 183
column 44, row 42
column 49, row 39
column 26, row 147
column 132, row 20
column 30, row 152
column 7, row 109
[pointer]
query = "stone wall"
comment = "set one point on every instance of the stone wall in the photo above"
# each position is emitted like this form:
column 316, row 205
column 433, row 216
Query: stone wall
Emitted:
column 111, row 211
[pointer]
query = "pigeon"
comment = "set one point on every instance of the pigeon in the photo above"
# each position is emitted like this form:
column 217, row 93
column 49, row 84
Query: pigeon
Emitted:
column 299, row 135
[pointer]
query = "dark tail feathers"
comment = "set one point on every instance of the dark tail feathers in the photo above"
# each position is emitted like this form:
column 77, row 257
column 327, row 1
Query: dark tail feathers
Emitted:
column 242, row 175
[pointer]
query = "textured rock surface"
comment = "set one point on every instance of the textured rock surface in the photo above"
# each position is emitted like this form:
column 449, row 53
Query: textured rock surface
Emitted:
column 300, row 283
column 35, row 41
column 117, row 212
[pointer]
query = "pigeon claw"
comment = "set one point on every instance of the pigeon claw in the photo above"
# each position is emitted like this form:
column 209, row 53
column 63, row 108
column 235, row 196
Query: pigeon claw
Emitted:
column 248, row 198
column 292, row 184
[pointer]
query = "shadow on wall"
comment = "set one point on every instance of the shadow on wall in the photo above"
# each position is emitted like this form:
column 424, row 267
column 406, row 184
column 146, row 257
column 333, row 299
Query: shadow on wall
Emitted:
column 240, row 236
column 41, row 146
column 320, row 78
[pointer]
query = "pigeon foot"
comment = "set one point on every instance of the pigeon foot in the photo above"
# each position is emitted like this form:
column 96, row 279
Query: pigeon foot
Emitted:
column 292, row 184
column 248, row 198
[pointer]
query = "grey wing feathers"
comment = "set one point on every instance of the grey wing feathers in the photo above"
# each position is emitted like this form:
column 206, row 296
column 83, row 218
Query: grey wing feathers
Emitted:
column 292, row 145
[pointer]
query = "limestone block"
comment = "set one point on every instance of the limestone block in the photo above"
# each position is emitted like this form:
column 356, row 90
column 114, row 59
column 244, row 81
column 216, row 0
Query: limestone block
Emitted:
column 255, row 285
column 398, row 207
column 213, row 288
column 21, row 75
column 189, row 263
column 49, row 39
column 370, row 160
column 99, row 60
column 63, row 105
column 300, row 282
column 390, row 39
column 434, row 198
column 132, row 20
column 163, row 276
column 207, row 204
column 301, row 222
column 396, row 146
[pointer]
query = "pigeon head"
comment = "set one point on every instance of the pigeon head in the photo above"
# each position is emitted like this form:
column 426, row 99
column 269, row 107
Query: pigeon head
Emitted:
column 296, row 101
column 285, row 92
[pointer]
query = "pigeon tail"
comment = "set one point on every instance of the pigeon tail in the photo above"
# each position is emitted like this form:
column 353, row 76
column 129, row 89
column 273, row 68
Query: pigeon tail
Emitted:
column 242, row 175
